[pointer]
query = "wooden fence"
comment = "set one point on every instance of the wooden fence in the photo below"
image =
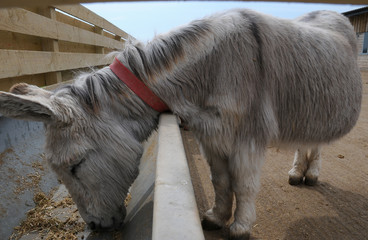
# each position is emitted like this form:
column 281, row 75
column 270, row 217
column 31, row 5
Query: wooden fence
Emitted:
column 44, row 46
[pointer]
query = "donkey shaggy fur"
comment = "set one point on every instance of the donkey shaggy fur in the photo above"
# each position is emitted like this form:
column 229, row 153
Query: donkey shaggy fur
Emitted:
column 240, row 80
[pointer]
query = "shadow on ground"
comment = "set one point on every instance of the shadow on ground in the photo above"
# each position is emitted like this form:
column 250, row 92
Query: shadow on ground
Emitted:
column 350, row 221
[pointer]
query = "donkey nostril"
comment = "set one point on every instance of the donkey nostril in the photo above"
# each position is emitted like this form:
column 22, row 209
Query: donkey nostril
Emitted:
column 92, row 225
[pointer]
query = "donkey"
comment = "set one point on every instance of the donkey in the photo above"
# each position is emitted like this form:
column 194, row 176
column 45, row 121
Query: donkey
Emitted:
column 239, row 79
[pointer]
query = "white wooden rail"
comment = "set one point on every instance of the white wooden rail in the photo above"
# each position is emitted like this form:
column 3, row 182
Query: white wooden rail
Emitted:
column 175, row 212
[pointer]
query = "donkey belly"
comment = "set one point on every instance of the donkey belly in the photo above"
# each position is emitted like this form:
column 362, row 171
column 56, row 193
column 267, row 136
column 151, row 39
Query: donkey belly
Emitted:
column 319, row 117
column 318, row 126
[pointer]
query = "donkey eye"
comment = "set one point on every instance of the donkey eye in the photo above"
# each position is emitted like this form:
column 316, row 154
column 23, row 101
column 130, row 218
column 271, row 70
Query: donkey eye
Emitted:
column 75, row 167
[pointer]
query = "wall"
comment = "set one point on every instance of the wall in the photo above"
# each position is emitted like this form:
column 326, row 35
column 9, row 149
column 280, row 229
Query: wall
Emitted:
column 362, row 57
column 360, row 22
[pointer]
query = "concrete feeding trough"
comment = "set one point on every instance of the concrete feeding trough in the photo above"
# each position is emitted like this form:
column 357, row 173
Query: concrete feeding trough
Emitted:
column 162, row 203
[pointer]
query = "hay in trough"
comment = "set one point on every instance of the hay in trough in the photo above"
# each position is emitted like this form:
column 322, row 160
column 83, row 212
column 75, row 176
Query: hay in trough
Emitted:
column 47, row 223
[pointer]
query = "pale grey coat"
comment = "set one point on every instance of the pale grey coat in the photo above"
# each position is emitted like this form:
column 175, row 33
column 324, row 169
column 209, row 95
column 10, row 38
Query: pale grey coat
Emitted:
column 240, row 80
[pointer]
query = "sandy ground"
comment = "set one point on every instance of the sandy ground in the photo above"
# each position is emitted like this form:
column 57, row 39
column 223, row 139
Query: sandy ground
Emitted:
column 336, row 208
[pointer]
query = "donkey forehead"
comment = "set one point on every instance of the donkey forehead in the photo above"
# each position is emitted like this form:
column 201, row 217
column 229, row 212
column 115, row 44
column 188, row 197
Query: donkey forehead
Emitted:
column 68, row 143
column 64, row 141
column 66, row 150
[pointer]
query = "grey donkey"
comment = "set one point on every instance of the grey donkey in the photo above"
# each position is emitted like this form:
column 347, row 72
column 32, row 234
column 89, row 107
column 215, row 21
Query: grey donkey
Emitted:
column 240, row 80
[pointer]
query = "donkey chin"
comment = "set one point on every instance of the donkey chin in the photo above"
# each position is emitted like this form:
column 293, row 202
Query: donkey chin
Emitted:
column 100, row 202
column 99, row 215
column 105, row 223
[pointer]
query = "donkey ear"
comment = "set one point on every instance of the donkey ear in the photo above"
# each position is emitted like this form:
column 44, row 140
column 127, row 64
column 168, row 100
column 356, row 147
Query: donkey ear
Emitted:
column 27, row 102
column 30, row 90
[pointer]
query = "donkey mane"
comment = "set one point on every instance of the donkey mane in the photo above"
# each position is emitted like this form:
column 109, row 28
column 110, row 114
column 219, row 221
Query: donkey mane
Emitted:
column 148, row 62
column 178, row 63
column 167, row 52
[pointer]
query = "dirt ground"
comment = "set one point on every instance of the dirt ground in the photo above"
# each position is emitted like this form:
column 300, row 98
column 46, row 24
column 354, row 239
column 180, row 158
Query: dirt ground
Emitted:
column 336, row 208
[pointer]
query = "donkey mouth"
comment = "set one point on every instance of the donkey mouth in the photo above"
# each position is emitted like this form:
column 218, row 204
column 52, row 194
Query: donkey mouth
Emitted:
column 101, row 228
column 108, row 222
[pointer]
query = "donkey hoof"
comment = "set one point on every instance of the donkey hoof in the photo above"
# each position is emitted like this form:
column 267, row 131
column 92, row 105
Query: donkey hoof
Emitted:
column 245, row 236
column 295, row 180
column 310, row 181
column 209, row 225
column 239, row 231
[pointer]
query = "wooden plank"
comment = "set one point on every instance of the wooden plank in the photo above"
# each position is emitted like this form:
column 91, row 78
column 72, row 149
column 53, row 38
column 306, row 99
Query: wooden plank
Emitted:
column 70, row 20
column 37, row 79
column 360, row 42
column 17, row 63
column 17, row 41
column 51, row 45
column 23, row 21
column 112, row 36
column 87, row 15
column 99, row 30
column 76, row 47
column 56, row 86
column 24, row 3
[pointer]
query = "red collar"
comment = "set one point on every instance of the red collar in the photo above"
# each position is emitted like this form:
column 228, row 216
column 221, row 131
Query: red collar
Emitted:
column 138, row 87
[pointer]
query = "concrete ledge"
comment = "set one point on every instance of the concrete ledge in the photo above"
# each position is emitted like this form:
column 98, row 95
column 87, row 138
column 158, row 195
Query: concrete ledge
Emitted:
column 175, row 213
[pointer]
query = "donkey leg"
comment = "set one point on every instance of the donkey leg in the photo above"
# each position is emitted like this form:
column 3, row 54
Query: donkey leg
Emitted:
column 314, row 164
column 245, row 172
column 221, row 212
column 300, row 165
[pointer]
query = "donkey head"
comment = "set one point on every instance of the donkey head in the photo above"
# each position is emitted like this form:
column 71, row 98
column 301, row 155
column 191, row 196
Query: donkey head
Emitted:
column 93, row 150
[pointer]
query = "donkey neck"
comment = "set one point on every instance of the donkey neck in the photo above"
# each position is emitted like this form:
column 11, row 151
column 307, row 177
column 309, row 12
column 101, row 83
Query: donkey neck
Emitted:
column 108, row 99
column 161, row 61
column 133, row 113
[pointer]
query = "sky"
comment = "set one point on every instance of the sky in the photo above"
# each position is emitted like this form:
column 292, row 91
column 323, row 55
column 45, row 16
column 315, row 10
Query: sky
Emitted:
column 143, row 20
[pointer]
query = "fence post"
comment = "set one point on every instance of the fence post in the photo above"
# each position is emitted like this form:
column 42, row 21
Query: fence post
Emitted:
column 51, row 45
column 117, row 38
column 99, row 30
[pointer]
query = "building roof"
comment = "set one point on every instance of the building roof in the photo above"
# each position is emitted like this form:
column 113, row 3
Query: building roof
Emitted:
column 356, row 12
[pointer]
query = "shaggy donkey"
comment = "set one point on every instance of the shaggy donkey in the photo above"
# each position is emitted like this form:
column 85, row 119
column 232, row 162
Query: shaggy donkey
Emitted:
column 240, row 80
